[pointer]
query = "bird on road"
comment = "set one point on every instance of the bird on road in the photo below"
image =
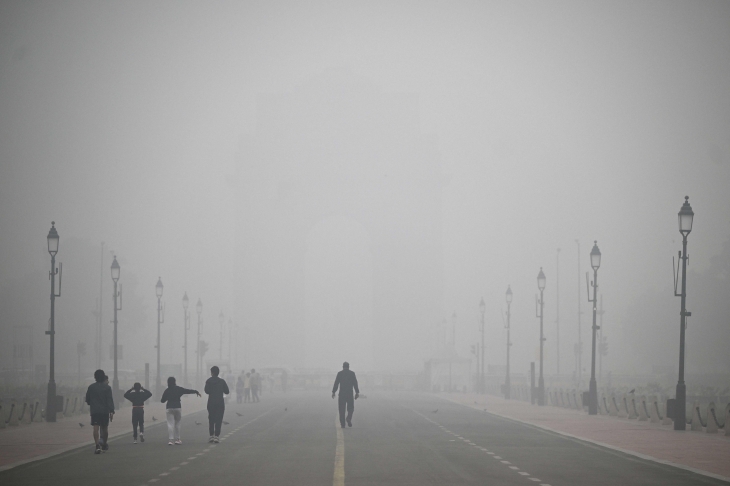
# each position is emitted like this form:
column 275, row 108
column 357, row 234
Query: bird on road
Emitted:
column 225, row 423
column 434, row 411
column 197, row 423
column 239, row 414
column 632, row 391
column 154, row 419
column 80, row 424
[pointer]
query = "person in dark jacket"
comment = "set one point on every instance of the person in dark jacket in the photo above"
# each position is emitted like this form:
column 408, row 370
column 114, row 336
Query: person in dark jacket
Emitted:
column 346, row 380
column 138, row 395
column 215, row 387
column 173, row 409
column 101, row 407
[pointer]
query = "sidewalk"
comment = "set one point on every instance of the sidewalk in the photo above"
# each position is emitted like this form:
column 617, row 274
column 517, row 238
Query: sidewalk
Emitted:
column 697, row 451
column 25, row 443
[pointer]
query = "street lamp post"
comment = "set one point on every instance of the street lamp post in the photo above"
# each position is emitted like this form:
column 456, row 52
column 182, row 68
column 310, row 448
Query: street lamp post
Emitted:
column 482, row 381
column 539, row 311
column 686, row 216
column 199, row 359
column 186, row 326
column 507, row 381
column 160, row 319
column 221, row 320
column 52, row 250
column 117, row 307
column 592, row 387
column 230, row 338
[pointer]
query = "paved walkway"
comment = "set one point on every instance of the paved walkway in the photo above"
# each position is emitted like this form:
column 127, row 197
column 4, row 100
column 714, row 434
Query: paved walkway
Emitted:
column 698, row 451
column 25, row 443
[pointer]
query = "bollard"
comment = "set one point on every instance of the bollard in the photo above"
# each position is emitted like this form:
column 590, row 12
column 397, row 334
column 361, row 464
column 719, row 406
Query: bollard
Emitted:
column 25, row 413
column 643, row 412
column 13, row 416
column 696, row 423
column 623, row 410
column 712, row 425
column 666, row 419
column 37, row 415
column 630, row 406
column 654, row 416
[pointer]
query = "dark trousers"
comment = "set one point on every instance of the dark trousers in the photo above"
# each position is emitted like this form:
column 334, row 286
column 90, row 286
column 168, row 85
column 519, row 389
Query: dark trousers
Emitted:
column 349, row 402
column 138, row 420
column 215, row 419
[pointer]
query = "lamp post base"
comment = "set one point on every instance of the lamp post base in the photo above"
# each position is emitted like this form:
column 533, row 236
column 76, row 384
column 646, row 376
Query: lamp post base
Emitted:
column 680, row 407
column 593, row 398
column 51, row 402
column 541, row 392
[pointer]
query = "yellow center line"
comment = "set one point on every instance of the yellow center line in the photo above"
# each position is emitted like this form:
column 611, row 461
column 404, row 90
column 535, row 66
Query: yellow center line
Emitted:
column 339, row 476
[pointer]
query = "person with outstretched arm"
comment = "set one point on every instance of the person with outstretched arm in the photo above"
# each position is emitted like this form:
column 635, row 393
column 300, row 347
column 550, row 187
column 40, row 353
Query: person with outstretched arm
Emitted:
column 101, row 407
column 138, row 395
column 215, row 387
column 347, row 381
column 173, row 409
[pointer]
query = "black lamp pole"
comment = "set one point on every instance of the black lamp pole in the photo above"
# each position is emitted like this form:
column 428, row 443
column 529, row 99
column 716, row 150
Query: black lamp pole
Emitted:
column 52, row 250
column 686, row 216
column 540, row 303
column 160, row 319
column 186, row 326
column 507, row 381
column 117, row 307
column 593, row 387
column 482, row 380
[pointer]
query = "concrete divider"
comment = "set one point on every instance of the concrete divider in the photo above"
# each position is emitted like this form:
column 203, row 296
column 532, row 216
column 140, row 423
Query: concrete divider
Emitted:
column 643, row 412
column 605, row 410
column 66, row 409
column 37, row 413
column 712, row 426
column 25, row 413
column 655, row 416
column 623, row 411
column 630, row 403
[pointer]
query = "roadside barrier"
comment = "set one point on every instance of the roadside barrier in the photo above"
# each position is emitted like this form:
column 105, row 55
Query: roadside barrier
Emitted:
column 37, row 413
column 712, row 426
column 643, row 412
column 696, row 422
column 13, row 415
column 25, row 413
column 630, row 406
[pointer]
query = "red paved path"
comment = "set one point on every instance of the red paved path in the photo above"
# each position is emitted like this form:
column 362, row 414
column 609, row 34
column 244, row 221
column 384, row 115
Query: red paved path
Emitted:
column 696, row 450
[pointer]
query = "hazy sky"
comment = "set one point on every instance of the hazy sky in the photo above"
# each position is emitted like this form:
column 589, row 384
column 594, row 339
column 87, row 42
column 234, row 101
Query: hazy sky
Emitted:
column 553, row 121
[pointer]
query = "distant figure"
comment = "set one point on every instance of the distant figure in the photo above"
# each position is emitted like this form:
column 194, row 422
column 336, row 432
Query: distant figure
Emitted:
column 247, row 387
column 284, row 378
column 346, row 380
column 255, row 385
column 215, row 387
column 239, row 389
column 138, row 395
column 101, row 407
column 173, row 409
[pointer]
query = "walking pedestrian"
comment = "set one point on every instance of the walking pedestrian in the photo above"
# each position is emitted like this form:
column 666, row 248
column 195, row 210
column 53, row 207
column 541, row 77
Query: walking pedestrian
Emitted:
column 346, row 380
column 101, row 408
column 247, row 387
column 215, row 387
column 255, row 385
column 173, row 409
column 138, row 395
column 239, row 389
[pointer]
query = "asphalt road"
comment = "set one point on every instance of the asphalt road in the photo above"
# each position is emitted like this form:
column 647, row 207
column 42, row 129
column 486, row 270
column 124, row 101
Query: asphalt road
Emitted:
column 396, row 439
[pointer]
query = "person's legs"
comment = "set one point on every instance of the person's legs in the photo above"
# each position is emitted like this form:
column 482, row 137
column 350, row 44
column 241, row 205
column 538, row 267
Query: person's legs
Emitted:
column 211, row 421
column 95, row 433
column 170, row 413
column 219, row 420
column 141, row 423
column 135, row 423
column 104, row 436
column 178, row 422
column 341, row 402
column 350, row 410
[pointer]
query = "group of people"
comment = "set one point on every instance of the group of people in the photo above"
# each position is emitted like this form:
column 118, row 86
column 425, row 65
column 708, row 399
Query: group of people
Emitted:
column 101, row 403
column 248, row 387
column 101, row 407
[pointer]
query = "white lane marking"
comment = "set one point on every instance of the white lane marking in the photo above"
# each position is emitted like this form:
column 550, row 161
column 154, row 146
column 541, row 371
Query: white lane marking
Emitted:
column 200, row 453
column 338, row 478
column 174, row 468
column 524, row 473
column 514, row 468
column 534, row 479
column 497, row 457
column 183, row 463
column 505, row 462
column 164, row 474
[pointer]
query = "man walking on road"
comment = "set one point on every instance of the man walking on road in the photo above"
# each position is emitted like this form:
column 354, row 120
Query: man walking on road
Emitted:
column 215, row 387
column 255, row 385
column 346, row 380
column 101, row 407
column 138, row 395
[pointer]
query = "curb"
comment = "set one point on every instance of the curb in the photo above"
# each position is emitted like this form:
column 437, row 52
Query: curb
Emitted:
column 601, row 444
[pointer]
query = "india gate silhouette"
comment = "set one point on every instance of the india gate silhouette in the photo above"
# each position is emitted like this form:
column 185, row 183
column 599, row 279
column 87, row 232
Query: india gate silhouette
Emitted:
column 340, row 152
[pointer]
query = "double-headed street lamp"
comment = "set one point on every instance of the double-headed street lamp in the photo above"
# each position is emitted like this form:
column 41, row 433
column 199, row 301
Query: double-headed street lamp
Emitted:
column 117, row 307
column 482, row 381
column 507, row 381
column 199, row 358
column 52, row 250
column 186, row 327
column 539, row 311
column 593, row 388
column 686, row 216
column 160, row 319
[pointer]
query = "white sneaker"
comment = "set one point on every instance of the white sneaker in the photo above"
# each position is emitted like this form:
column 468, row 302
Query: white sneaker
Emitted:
column 211, row 439
column 216, row 440
column 170, row 443
column 135, row 441
column 178, row 442
column 141, row 437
